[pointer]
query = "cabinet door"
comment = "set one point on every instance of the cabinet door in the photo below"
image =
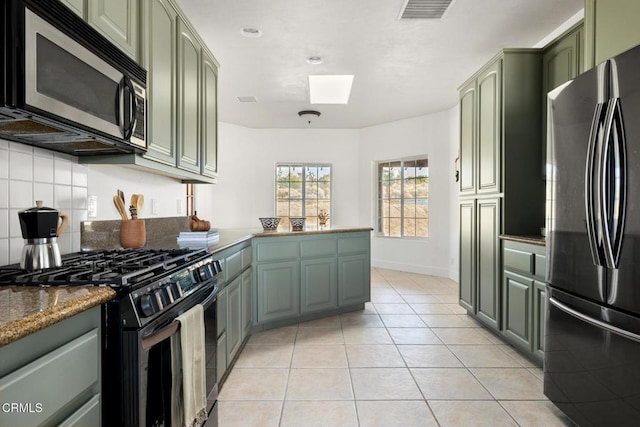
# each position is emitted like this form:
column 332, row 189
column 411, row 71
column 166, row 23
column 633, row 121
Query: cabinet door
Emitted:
column 611, row 27
column 467, row 287
column 468, row 139
column 318, row 284
column 488, row 255
column 539, row 313
column 517, row 309
column 77, row 6
column 118, row 21
column 247, row 302
column 209, row 117
column 188, row 99
column 234, row 318
column 489, row 131
column 354, row 282
column 221, row 357
column 160, row 61
column 561, row 61
column 278, row 290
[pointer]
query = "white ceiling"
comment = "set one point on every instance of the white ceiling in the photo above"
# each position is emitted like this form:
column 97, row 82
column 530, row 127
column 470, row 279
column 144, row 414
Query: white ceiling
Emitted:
column 402, row 68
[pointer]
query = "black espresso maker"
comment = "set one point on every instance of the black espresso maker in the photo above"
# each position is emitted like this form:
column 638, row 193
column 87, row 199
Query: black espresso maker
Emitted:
column 41, row 227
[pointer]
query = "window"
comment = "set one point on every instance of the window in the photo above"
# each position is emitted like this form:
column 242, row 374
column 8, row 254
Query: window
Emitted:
column 302, row 190
column 403, row 198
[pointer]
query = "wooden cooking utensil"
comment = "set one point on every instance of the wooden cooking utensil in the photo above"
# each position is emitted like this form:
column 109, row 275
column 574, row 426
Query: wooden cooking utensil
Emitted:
column 120, row 207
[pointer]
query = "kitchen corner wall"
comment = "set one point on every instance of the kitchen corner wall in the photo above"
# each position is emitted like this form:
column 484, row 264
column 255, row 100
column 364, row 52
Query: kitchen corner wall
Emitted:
column 28, row 174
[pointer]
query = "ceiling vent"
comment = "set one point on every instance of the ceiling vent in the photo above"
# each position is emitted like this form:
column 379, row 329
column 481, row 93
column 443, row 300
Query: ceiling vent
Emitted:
column 424, row 9
column 247, row 98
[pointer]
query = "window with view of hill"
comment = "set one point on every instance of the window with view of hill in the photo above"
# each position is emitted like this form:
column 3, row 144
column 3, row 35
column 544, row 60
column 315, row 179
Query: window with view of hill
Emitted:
column 403, row 198
column 303, row 190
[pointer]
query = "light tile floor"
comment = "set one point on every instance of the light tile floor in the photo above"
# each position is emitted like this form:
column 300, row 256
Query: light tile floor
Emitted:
column 412, row 357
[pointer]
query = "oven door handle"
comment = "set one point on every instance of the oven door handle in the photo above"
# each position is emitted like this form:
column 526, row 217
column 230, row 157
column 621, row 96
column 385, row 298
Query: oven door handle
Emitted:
column 210, row 299
column 161, row 335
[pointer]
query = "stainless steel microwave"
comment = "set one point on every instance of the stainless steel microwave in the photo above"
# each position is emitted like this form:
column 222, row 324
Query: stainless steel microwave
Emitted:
column 66, row 87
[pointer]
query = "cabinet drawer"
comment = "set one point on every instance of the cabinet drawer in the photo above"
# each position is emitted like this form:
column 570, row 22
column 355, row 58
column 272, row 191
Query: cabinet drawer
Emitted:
column 351, row 245
column 277, row 251
column 318, row 248
column 234, row 265
column 519, row 260
column 540, row 266
column 246, row 257
column 74, row 366
column 87, row 415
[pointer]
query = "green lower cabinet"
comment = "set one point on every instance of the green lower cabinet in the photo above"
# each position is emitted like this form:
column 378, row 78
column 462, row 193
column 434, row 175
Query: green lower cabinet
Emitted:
column 539, row 313
column 354, row 281
column 488, row 259
column 467, row 294
column 234, row 318
column 221, row 357
column 278, row 290
column 517, row 291
column 247, row 303
column 318, row 284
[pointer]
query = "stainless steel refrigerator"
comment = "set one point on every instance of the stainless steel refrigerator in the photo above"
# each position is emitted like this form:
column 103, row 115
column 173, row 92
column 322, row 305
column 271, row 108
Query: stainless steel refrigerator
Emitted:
column 592, row 339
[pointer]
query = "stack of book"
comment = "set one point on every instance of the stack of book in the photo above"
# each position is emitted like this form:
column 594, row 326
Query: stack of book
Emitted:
column 198, row 238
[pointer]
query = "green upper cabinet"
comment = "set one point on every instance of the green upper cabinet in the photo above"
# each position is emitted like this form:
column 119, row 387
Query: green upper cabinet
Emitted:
column 611, row 27
column 468, row 138
column 489, row 110
column 160, row 60
column 117, row 20
column 188, row 99
column 209, row 116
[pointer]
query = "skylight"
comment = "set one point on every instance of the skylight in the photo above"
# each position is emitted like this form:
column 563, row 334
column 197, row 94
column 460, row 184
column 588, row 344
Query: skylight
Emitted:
column 330, row 89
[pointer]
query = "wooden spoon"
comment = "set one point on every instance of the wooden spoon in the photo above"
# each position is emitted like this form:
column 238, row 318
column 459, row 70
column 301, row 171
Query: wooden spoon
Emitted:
column 139, row 203
column 120, row 207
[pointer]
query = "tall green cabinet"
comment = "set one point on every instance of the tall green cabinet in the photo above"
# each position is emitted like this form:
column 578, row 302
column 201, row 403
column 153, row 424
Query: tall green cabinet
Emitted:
column 501, row 187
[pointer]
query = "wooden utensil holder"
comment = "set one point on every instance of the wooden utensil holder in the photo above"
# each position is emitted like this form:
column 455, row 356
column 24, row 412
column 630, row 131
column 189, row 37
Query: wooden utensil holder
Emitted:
column 133, row 233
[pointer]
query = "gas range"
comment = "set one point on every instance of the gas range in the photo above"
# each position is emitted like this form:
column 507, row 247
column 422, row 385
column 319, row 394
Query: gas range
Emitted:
column 147, row 281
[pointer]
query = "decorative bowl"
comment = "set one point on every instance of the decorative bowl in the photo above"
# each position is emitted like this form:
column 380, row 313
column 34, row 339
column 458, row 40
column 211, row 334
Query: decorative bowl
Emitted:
column 297, row 223
column 270, row 224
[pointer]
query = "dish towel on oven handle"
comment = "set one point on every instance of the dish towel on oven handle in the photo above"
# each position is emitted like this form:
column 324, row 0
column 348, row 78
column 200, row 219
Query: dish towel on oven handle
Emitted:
column 188, row 393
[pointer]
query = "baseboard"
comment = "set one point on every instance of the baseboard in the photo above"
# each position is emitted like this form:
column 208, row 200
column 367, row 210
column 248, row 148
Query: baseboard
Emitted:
column 412, row 268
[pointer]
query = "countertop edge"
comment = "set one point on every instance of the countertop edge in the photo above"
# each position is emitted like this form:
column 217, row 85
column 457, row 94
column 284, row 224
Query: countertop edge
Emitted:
column 533, row 240
column 34, row 322
column 310, row 232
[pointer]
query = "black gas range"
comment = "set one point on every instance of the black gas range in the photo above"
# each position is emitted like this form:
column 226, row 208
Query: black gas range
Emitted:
column 153, row 287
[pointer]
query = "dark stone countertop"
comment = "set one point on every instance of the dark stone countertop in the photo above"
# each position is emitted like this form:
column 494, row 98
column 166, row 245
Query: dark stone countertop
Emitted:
column 533, row 240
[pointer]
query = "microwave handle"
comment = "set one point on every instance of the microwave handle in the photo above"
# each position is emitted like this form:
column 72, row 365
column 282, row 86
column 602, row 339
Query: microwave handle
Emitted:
column 126, row 124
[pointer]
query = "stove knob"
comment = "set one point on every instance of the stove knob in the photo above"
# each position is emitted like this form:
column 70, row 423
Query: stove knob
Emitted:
column 146, row 305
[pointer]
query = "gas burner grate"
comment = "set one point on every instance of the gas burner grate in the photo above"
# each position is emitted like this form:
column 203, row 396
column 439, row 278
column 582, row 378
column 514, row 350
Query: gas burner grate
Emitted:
column 115, row 268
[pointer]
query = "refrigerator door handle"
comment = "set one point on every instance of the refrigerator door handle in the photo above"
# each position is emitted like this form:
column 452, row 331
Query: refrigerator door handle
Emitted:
column 595, row 322
column 613, row 183
column 593, row 175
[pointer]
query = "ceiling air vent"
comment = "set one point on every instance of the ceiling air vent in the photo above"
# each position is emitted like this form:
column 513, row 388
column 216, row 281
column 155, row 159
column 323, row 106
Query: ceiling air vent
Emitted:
column 247, row 98
column 424, row 9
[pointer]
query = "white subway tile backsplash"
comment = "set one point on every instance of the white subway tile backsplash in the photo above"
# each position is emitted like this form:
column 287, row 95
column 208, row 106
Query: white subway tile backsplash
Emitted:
column 4, row 193
column 14, row 223
column 43, row 169
column 15, row 249
column 4, row 144
column 75, row 242
column 16, row 146
column 4, row 164
column 21, row 166
column 77, row 216
column 62, row 171
column 65, row 242
column 41, row 152
column 79, row 195
column 43, row 191
column 62, row 197
column 4, row 250
column 4, row 223
column 21, row 194
column 79, row 175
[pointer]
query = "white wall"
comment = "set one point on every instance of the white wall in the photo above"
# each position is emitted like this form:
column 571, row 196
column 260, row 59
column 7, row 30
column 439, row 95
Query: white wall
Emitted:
column 454, row 209
column 246, row 186
column 430, row 135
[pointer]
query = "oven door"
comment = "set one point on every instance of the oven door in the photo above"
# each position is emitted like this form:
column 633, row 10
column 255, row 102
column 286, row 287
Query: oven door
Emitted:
column 65, row 79
column 138, row 380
